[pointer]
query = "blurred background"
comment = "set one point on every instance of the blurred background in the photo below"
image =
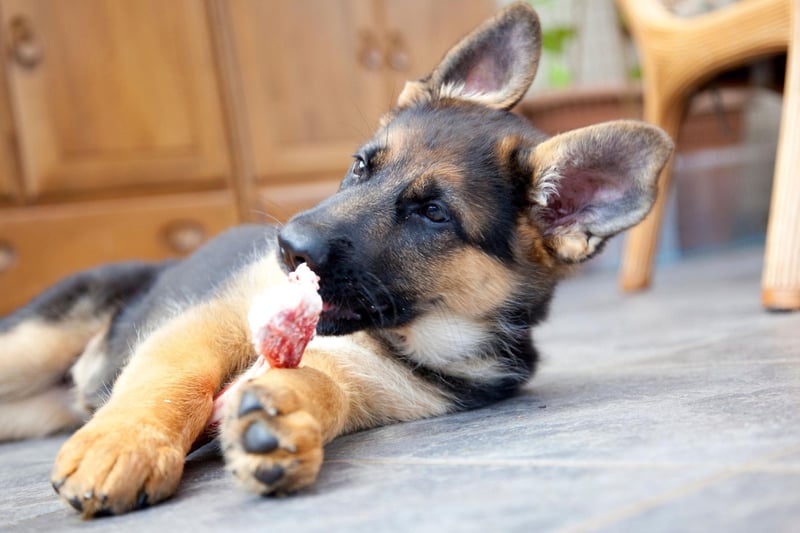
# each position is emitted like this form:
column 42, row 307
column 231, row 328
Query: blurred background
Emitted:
column 139, row 129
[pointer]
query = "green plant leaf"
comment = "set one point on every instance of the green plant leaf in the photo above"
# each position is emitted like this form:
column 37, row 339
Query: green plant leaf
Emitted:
column 554, row 39
column 559, row 76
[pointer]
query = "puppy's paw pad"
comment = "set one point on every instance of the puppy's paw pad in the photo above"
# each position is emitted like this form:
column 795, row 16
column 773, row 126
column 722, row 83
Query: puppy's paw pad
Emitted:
column 257, row 438
column 270, row 443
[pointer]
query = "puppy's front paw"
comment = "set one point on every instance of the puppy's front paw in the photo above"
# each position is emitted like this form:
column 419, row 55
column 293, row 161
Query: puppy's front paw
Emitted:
column 271, row 444
column 111, row 468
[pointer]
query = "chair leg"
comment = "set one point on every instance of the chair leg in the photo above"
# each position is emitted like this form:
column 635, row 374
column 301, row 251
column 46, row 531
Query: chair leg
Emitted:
column 780, row 286
column 642, row 240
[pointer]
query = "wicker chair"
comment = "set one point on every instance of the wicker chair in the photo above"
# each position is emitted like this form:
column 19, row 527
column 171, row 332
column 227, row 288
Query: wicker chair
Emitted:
column 678, row 55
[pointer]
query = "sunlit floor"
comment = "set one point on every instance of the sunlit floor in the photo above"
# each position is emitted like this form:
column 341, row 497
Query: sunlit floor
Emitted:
column 677, row 409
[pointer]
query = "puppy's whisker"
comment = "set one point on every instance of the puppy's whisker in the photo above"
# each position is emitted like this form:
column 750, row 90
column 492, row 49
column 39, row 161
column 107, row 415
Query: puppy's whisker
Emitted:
column 268, row 216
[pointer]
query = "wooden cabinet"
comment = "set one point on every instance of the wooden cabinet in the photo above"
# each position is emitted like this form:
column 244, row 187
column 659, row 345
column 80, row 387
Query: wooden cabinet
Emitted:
column 114, row 95
column 139, row 128
column 307, row 92
column 419, row 32
column 318, row 74
column 114, row 116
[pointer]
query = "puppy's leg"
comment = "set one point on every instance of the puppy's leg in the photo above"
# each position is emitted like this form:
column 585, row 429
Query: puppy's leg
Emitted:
column 131, row 453
column 277, row 424
column 39, row 342
column 36, row 353
column 43, row 413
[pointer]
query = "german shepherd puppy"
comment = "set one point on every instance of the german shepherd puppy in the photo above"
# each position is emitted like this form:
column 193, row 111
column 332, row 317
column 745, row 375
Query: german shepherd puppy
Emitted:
column 436, row 257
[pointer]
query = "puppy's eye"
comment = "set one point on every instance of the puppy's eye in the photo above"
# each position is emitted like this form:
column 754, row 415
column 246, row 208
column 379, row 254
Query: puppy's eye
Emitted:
column 435, row 212
column 359, row 167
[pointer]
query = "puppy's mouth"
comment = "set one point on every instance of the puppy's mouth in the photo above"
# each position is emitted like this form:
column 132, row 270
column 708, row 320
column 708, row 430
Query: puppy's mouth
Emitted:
column 343, row 318
column 336, row 312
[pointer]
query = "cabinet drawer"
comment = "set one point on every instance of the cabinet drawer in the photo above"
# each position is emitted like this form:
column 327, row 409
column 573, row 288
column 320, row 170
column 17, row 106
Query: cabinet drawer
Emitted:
column 40, row 245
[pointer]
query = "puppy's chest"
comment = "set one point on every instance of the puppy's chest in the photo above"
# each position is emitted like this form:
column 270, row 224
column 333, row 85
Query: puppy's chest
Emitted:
column 440, row 340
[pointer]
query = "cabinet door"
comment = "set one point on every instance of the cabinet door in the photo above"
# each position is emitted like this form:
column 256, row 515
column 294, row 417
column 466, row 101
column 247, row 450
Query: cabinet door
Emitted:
column 7, row 156
column 419, row 32
column 114, row 94
column 313, row 81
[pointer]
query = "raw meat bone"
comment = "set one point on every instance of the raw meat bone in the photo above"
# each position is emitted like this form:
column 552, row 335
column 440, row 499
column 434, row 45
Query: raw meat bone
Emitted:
column 282, row 321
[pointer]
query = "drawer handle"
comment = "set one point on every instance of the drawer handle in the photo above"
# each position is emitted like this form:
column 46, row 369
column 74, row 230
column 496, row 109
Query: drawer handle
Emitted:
column 184, row 236
column 25, row 47
column 369, row 53
column 8, row 256
column 397, row 55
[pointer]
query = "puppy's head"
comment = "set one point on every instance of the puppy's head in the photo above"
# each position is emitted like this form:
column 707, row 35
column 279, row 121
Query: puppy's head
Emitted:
column 458, row 209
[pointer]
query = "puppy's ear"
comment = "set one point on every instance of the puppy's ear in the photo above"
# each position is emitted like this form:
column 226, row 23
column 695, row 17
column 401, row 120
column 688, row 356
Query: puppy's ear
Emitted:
column 494, row 65
column 591, row 183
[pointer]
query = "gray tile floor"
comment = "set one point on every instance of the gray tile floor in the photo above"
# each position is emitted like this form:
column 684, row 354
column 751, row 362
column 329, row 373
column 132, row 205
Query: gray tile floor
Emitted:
column 673, row 410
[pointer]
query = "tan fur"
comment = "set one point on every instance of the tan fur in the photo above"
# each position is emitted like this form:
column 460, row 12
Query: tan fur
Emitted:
column 379, row 390
column 468, row 270
column 414, row 92
column 37, row 353
column 303, row 408
column 163, row 399
column 530, row 244
column 160, row 404
column 38, row 415
column 340, row 387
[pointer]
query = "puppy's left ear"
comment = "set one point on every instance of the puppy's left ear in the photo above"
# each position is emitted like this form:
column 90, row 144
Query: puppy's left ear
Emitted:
column 592, row 183
column 494, row 65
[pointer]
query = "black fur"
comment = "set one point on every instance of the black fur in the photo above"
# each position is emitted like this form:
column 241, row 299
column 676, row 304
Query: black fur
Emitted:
column 104, row 289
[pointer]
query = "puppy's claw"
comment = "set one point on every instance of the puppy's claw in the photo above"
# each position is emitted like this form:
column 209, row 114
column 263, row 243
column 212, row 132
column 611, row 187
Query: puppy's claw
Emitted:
column 142, row 500
column 76, row 504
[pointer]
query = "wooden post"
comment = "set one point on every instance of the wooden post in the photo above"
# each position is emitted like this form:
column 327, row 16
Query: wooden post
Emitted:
column 781, row 277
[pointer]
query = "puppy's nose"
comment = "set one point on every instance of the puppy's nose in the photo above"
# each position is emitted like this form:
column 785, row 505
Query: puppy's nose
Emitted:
column 299, row 245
